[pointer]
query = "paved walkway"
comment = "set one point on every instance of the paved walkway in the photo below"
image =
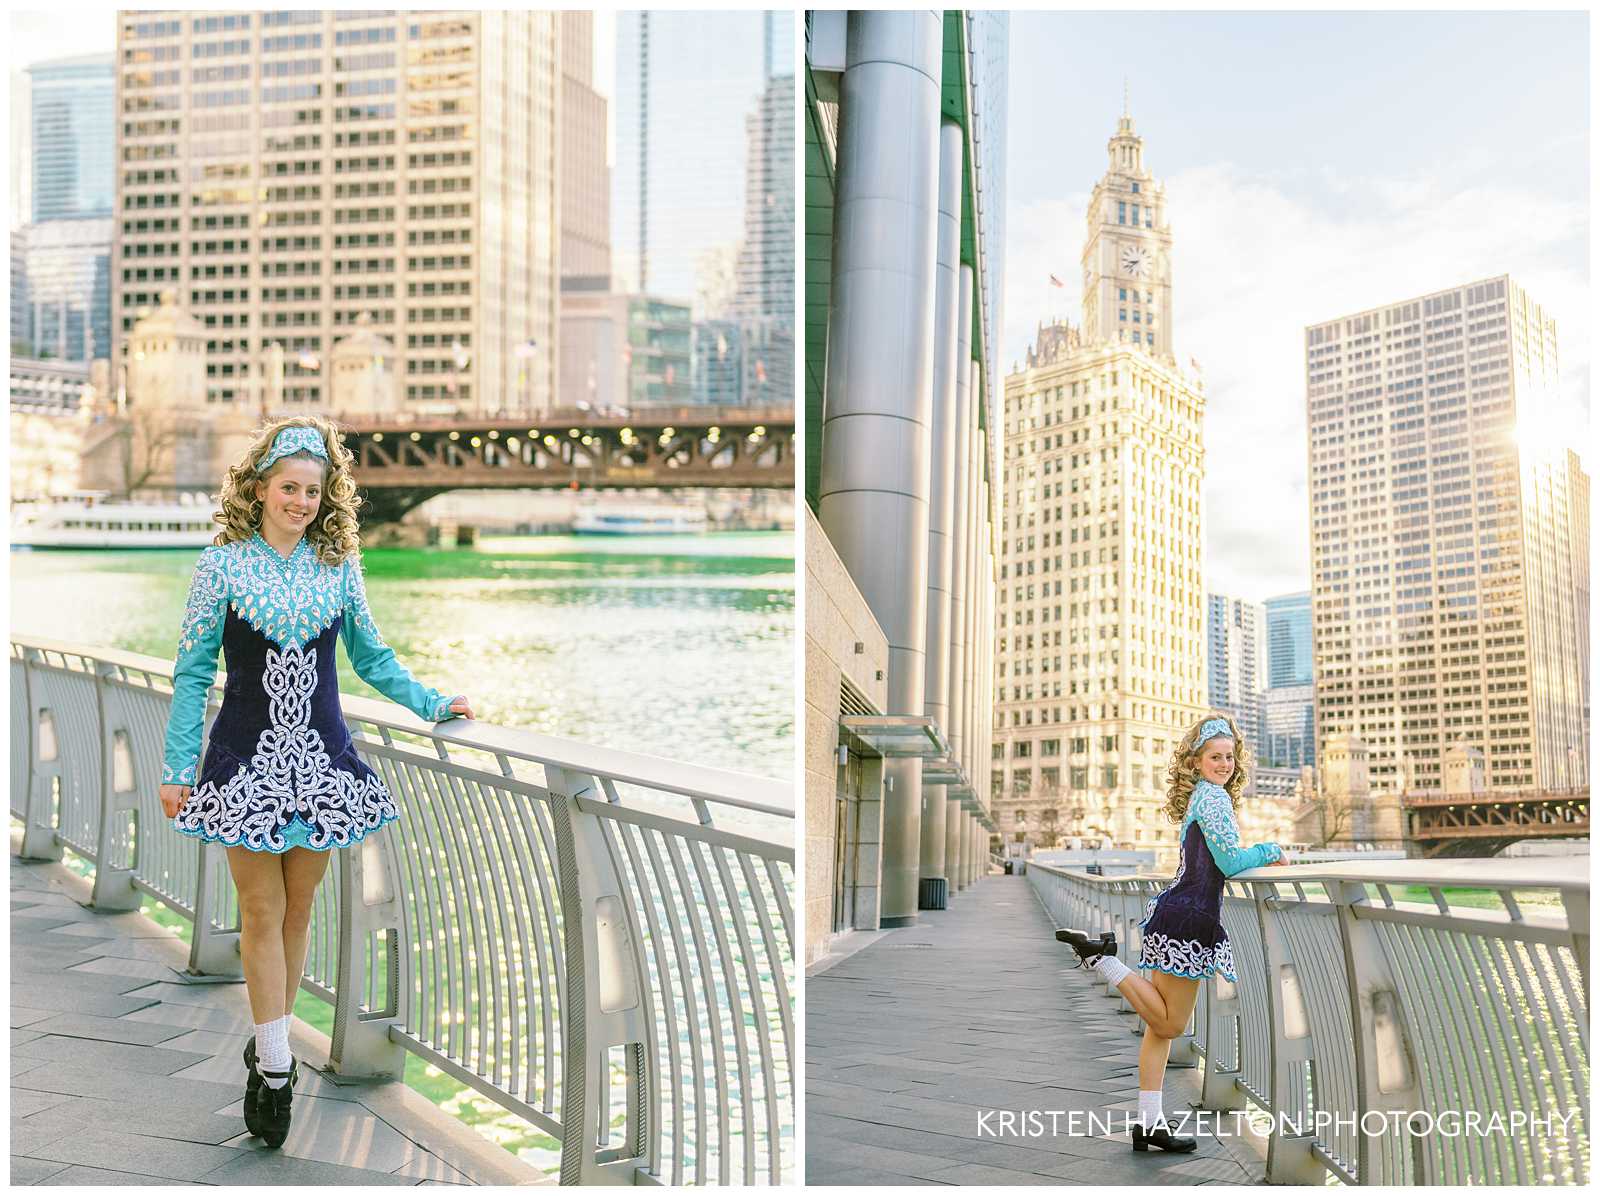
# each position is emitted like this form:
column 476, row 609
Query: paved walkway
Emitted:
column 124, row 1073
column 911, row 1039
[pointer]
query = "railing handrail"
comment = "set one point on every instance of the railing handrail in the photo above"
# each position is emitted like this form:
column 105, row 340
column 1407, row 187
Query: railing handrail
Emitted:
column 723, row 786
column 1534, row 872
column 583, row 920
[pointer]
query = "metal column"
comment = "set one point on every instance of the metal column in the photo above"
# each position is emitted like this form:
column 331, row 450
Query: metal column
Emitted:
column 873, row 498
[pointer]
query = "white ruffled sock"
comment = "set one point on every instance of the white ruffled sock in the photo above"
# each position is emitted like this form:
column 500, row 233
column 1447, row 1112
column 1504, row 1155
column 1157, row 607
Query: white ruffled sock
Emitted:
column 272, row 1050
column 1150, row 1115
column 1113, row 969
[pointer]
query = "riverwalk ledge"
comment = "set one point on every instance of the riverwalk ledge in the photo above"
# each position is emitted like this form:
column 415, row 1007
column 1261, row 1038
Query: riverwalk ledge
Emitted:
column 964, row 1050
column 599, row 941
column 1359, row 1006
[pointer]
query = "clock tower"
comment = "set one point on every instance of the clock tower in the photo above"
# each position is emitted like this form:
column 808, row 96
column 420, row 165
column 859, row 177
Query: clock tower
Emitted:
column 1127, row 256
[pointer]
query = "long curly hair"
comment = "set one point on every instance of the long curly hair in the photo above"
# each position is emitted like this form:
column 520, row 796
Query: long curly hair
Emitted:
column 1184, row 769
column 336, row 534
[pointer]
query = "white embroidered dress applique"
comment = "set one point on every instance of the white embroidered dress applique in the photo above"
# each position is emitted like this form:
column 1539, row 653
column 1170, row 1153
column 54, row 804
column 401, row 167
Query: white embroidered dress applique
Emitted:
column 290, row 773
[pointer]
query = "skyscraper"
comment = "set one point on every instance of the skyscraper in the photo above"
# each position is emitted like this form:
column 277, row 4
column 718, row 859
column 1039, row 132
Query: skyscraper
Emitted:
column 585, row 177
column 339, row 162
column 1235, row 661
column 72, row 105
column 62, row 309
column 1100, row 644
column 67, row 306
column 1442, row 539
column 1578, row 498
column 764, row 288
column 1289, row 640
column 684, row 83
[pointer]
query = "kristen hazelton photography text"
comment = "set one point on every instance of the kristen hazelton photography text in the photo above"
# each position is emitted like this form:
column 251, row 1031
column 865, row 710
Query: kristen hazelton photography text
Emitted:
column 476, row 327
column 1197, row 616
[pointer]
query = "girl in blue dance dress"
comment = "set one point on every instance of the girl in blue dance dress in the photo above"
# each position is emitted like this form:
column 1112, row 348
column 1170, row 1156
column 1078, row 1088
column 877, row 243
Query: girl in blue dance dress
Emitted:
column 281, row 784
column 1184, row 941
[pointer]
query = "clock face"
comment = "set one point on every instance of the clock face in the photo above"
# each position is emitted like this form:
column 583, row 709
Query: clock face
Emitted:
column 1135, row 261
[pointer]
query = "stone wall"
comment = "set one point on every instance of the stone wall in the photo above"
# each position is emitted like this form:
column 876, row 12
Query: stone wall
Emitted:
column 837, row 619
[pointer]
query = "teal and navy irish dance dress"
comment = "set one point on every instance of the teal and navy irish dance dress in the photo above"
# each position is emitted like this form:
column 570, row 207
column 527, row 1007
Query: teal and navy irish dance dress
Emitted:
column 280, row 770
column 1182, row 924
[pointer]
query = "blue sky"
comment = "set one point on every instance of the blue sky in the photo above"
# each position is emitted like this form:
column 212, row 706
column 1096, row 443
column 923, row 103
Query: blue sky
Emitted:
column 1316, row 164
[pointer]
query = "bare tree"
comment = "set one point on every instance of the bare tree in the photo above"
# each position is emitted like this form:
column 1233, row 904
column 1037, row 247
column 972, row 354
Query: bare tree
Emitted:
column 148, row 438
column 1326, row 818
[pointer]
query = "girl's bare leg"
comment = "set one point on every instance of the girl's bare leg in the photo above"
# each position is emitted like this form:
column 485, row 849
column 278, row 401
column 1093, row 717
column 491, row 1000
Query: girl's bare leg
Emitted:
column 258, row 879
column 1153, row 1052
column 303, row 870
column 1164, row 1002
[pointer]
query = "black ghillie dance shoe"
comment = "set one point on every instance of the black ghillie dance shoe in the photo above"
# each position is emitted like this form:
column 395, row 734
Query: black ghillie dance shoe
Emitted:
column 253, row 1085
column 1088, row 949
column 1161, row 1139
column 273, row 1105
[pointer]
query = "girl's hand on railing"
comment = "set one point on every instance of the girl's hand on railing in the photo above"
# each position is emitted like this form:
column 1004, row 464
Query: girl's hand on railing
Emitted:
column 172, row 798
column 460, row 706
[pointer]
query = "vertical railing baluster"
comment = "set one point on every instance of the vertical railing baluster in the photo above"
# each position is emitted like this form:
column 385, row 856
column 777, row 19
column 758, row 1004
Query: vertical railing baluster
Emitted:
column 361, row 1042
column 39, row 841
column 603, row 1007
column 113, row 886
column 213, row 951
column 1387, row 1079
column 1289, row 1155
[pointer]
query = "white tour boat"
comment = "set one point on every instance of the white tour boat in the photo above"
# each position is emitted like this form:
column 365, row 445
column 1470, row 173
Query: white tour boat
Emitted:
column 91, row 520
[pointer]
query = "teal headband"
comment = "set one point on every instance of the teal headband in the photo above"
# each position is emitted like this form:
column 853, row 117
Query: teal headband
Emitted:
column 1212, row 728
column 297, row 439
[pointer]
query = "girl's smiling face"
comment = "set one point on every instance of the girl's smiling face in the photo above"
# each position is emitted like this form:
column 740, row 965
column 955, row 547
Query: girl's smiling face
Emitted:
column 290, row 497
column 1216, row 760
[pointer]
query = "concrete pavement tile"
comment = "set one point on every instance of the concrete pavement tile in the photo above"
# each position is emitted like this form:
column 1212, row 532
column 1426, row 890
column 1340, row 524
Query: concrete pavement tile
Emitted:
column 75, row 981
column 108, row 1029
column 864, row 1177
column 100, row 1177
column 342, row 1132
column 140, row 1154
column 196, row 1017
column 430, row 1168
column 125, row 926
column 229, row 996
column 94, row 1053
column 25, row 1102
column 31, row 1171
column 74, row 962
column 62, row 999
column 124, row 1085
column 258, row 1165
column 150, row 1119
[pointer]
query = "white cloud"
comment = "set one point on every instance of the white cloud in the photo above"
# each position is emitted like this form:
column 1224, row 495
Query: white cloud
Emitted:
column 1256, row 258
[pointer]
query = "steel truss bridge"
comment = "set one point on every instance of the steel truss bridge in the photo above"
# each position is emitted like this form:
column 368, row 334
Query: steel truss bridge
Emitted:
column 401, row 463
column 1483, row 824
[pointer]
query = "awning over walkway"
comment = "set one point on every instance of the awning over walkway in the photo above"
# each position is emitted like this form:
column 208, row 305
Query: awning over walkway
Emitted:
column 894, row 735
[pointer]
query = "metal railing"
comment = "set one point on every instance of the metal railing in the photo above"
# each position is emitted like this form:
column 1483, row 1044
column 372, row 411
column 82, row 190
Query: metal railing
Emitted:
column 1385, row 1018
column 600, row 942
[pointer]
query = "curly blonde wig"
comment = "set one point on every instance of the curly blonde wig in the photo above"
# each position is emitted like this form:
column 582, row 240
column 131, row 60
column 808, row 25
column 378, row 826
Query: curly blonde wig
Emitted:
column 335, row 535
column 1184, row 769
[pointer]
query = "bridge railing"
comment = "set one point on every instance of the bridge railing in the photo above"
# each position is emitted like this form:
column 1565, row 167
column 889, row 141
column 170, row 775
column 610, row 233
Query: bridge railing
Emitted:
column 1359, row 1019
column 599, row 941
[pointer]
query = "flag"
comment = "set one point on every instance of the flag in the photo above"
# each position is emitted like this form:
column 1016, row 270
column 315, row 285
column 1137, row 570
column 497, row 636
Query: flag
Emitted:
column 308, row 360
column 1056, row 282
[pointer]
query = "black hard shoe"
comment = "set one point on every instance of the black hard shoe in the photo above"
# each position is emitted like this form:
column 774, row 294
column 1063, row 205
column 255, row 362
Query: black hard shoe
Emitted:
column 252, row 1090
column 1161, row 1139
column 1088, row 949
column 273, row 1105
